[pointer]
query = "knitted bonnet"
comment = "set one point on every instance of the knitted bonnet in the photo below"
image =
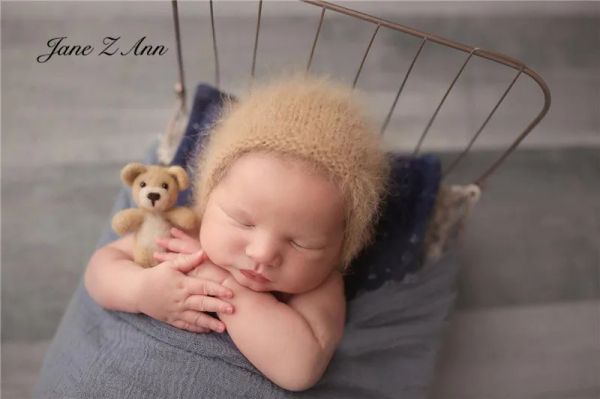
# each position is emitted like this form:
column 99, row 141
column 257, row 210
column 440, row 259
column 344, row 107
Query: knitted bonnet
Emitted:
column 313, row 120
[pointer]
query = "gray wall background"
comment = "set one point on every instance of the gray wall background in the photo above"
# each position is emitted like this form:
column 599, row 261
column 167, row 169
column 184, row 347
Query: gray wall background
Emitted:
column 527, row 322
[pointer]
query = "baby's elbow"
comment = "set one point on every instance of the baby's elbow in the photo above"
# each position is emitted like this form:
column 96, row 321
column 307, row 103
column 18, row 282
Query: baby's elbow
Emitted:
column 303, row 376
column 309, row 368
column 299, row 383
column 94, row 277
column 298, row 387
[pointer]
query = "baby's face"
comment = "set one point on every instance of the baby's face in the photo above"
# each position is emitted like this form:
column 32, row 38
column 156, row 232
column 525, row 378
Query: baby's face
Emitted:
column 274, row 225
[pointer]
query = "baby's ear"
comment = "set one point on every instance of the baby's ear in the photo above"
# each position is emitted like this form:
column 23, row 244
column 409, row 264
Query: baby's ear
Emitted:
column 131, row 171
column 180, row 175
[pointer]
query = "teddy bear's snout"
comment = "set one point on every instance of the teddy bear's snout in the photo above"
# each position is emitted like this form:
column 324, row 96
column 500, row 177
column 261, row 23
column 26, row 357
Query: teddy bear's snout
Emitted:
column 153, row 197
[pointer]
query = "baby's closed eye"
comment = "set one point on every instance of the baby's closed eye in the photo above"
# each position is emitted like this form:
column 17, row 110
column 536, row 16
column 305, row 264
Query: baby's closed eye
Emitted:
column 242, row 223
column 237, row 217
column 306, row 246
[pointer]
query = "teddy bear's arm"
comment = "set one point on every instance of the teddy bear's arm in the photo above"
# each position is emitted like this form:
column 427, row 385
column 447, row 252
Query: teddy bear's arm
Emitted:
column 182, row 217
column 127, row 220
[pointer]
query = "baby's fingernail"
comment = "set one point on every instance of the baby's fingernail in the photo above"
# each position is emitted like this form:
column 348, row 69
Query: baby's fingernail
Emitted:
column 229, row 310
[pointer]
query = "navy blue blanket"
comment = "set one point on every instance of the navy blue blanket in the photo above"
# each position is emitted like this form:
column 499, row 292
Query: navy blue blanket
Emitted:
column 388, row 349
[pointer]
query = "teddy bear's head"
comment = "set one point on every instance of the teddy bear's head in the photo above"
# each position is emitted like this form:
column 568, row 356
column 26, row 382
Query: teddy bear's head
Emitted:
column 155, row 187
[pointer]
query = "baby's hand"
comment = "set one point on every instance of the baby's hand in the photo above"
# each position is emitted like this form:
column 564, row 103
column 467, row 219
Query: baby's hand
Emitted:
column 180, row 243
column 166, row 293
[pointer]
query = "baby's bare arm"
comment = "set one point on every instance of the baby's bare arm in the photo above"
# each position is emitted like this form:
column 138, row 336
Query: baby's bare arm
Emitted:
column 163, row 292
column 291, row 344
column 112, row 278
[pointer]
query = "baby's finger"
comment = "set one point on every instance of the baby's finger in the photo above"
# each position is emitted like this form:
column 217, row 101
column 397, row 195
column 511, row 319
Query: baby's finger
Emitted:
column 200, row 319
column 205, row 303
column 177, row 233
column 199, row 286
column 162, row 242
column 184, row 325
column 164, row 256
column 174, row 245
column 186, row 263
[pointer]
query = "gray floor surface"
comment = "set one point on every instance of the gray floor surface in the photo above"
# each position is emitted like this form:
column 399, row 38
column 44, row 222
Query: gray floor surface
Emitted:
column 527, row 320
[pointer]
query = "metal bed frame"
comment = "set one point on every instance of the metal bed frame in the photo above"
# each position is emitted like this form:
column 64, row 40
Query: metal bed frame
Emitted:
column 379, row 23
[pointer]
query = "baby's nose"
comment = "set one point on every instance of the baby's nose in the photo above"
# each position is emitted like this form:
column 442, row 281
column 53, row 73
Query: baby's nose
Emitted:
column 263, row 252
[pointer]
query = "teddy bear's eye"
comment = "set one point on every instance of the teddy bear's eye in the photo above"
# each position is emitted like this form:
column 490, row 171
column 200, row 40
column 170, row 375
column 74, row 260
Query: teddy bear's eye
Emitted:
column 143, row 184
column 165, row 186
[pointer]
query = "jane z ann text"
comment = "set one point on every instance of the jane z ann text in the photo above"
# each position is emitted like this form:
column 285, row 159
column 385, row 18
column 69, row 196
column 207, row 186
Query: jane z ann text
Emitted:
column 58, row 46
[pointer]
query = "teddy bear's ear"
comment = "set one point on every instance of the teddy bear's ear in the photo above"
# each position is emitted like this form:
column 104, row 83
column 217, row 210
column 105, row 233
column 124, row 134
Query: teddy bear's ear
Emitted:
column 131, row 171
column 180, row 175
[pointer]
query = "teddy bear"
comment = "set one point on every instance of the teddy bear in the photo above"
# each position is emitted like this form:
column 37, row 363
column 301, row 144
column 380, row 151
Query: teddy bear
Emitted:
column 154, row 189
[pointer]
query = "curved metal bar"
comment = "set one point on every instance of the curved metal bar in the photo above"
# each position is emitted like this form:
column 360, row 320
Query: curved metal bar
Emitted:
column 393, row 107
column 486, row 54
column 362, row 63
column 312, row 50
column 501, row 58
column 179, row 86
column 214, row 40
column 480, row 181
column 437, row 110
column 256, row 39
column 483, row 125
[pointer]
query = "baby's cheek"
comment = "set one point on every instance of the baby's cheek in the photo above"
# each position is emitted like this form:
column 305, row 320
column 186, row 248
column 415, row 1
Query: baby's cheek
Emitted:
column 215, row 242
column 207, row 242
column 312, row 275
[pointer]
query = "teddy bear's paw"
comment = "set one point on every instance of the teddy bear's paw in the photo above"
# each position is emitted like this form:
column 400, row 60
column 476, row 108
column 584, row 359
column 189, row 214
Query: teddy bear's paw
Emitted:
column 119, row 224
column 127, row 220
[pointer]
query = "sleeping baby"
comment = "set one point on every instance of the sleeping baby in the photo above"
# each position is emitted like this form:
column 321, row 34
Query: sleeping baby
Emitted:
column 288, row 187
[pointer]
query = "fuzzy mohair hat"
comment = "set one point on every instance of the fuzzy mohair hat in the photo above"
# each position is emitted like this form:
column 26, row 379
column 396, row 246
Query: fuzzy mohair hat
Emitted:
column 314, row 120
